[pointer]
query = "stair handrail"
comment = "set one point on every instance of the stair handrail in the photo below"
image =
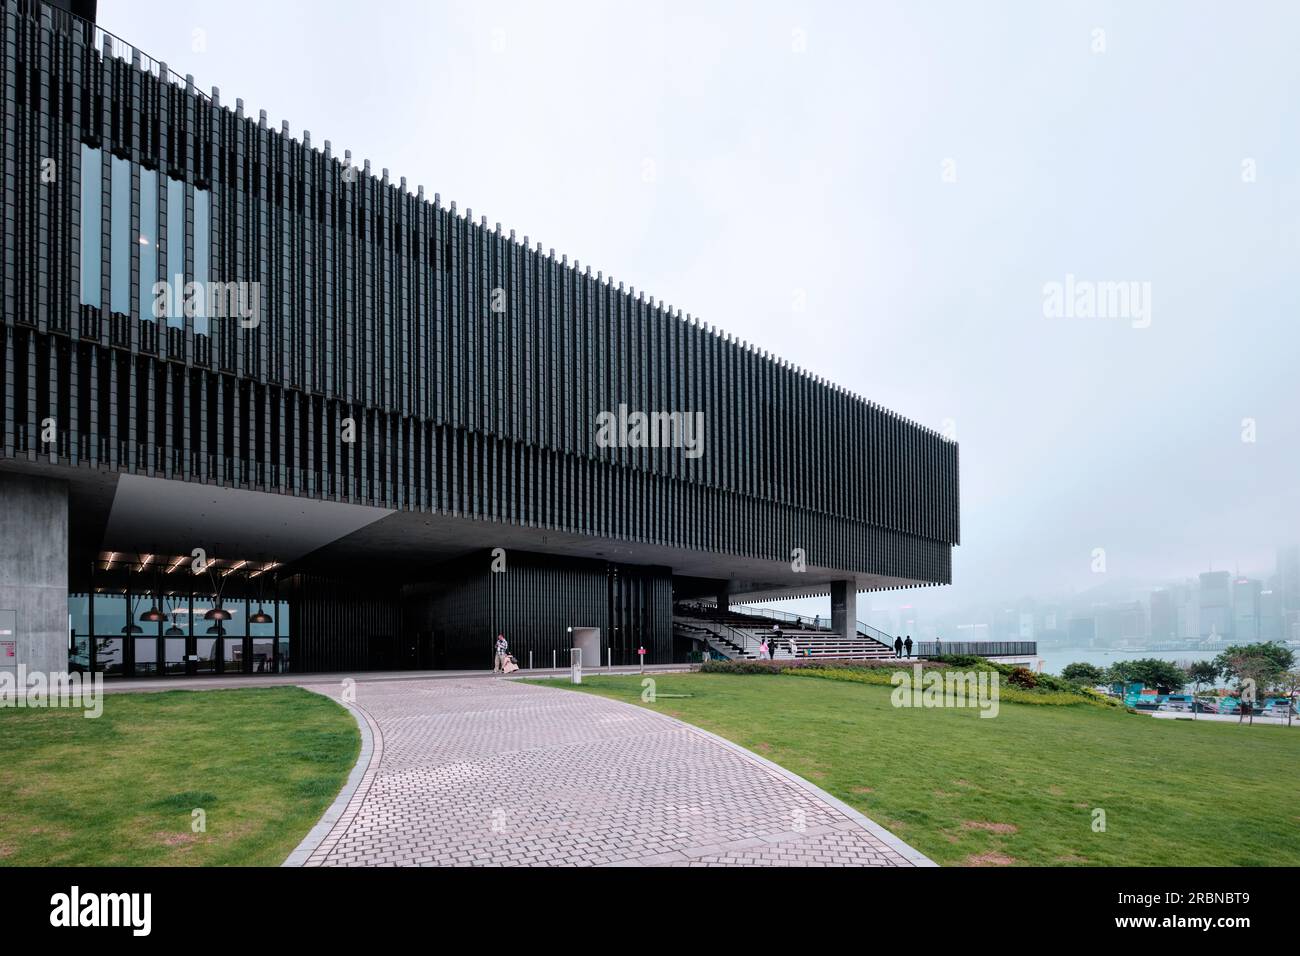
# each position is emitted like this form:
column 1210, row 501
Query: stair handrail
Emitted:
column 863, row 629
column 744, row 641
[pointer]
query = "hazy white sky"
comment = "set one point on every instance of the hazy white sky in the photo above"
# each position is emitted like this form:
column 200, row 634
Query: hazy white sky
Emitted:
column 736, row 159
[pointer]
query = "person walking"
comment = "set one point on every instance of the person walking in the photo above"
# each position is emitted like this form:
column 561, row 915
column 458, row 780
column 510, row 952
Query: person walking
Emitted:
column 907, row 644
column 898, row 647
column 499, row 654
column 776, row 641
column 794, row 648
column 938, row 646
column 763, row 650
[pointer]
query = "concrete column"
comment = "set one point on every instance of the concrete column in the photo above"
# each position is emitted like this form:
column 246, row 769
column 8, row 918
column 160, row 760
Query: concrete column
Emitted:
column 844, row 608
column 34, row 570
column 724, row 596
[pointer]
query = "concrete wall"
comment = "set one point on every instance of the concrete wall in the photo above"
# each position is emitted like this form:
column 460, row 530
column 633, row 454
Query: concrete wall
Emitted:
column 34, row 567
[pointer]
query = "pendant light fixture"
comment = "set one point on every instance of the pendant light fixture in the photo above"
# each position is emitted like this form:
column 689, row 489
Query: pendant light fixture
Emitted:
column 261, row 617
column 173, row 631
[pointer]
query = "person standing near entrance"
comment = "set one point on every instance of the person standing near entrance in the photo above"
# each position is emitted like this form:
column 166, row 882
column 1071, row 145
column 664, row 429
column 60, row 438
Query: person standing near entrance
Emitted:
column 907, row 644
column 499, row 654
column 776, row 642
column 898, row 647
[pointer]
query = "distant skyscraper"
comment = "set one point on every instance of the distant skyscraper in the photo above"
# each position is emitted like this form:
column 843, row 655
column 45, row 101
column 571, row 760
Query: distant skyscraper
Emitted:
column 1245, row 609
column 1271, row 618
column 1082, row 631
column 1288, row 577
column 1026, row 625
column 1164, row 616
column 1189, row 625
column 1216, row 604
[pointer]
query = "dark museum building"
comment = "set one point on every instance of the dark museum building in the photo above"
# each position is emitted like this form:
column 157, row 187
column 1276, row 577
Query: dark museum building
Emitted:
column 268, row 410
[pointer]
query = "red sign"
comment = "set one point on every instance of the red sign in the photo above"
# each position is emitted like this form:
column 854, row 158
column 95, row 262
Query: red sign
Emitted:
column 641, row 652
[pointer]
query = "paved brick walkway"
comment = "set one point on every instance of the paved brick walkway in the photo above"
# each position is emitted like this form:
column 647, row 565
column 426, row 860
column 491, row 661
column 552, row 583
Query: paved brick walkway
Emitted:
column 486, row 771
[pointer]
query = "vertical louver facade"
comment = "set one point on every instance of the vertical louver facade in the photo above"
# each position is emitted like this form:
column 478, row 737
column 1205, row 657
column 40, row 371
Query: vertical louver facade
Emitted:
column 402, row 355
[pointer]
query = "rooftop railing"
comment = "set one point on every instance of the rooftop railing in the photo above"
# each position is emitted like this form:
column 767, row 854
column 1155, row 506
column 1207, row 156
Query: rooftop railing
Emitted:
column 977, row 648
column 108, row 45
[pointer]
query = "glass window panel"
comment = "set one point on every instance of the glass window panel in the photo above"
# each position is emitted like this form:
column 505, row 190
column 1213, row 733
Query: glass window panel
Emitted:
column 92, row 196
column 79, row 632
column 263, row 654
column 234, row 655
column 201, row 240
column 148, row 242
column 119, row 287
column 175, row 655
column 262, row 630
column 176, row 251
column 108, row 654
column 110, row 614
column 146, row 654
column 205, row 648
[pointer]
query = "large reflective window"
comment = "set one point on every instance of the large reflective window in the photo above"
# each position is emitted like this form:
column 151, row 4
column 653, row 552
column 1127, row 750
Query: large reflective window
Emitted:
column 201, row 257
column 119, row 286
column 176, row 251
column 92, row 196
column 148, row 242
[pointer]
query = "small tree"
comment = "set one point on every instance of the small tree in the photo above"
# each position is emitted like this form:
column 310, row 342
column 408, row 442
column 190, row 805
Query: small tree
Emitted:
column 1251, row 673
column 1200, row 673
column 1269, row 659
column 1083, row 673
column 1290, row 683
column 1151, row 671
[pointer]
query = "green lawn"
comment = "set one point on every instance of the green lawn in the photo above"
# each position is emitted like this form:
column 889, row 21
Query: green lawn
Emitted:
column 120, row 789
column 1019, row 788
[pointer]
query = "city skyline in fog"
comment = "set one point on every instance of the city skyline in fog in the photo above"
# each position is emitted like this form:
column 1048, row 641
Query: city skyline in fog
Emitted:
column 896, row 217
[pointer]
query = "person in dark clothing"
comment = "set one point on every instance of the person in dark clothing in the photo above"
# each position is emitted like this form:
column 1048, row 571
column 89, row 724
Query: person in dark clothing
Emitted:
column 898, row 647
column 908, row 645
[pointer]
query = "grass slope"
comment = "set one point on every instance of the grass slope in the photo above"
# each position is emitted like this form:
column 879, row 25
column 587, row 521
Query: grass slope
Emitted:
column 119, row 790
column 1020, row 788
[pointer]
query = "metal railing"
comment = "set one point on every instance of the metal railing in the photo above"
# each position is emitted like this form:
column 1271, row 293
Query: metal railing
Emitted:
column 789, row 617
column 109, row 45
column 976, row 648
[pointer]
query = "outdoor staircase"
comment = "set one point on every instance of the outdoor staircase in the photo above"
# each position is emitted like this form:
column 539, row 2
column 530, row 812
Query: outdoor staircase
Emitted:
column 738, row 634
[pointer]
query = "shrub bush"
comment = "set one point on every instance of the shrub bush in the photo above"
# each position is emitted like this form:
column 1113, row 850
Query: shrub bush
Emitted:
column 1022, row 677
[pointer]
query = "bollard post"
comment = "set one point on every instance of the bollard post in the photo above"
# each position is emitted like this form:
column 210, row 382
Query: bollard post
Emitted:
column 530, row 660
column 575, row 665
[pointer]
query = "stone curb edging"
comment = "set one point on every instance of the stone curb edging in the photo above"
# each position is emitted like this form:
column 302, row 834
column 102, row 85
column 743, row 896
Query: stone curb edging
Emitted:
column 318, row 843
column 905, row 850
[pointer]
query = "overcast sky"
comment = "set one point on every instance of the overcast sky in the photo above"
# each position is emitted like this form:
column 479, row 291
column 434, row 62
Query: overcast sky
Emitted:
column 739, row 159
